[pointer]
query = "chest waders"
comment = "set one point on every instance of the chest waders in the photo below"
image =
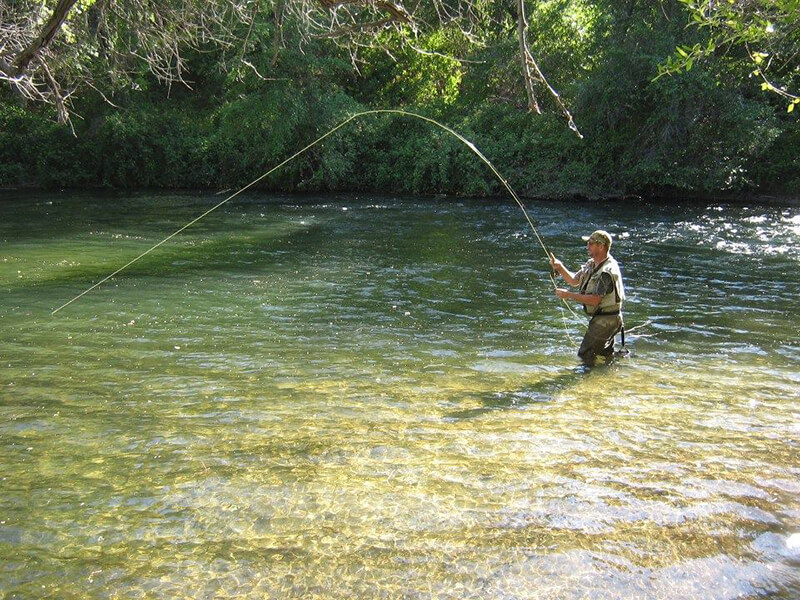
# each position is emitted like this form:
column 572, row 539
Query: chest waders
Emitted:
column 611, row 304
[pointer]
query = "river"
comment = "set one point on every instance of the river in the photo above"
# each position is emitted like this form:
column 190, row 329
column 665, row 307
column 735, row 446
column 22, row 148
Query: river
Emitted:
column 376, row 397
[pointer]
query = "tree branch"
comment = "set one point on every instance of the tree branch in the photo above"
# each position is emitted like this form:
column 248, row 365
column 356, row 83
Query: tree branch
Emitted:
column 531, row 72
column 47, row 34
column 526, row 58
column 397, row 12
column 61, row 109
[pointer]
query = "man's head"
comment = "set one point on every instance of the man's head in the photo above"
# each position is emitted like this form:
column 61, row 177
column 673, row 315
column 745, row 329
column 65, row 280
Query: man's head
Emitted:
column 598, row 244
column 600, row 237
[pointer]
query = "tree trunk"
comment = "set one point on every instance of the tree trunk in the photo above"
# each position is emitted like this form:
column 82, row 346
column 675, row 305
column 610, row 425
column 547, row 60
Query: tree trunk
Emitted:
column 277, row 39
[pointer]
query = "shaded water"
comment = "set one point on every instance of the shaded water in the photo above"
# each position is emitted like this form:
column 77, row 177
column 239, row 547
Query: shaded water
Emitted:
column 379, row 398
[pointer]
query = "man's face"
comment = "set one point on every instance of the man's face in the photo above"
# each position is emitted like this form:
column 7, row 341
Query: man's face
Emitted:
column 595, row 249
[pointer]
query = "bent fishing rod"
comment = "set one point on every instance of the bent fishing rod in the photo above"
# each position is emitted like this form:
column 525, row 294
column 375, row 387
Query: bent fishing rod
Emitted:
column 358, row 115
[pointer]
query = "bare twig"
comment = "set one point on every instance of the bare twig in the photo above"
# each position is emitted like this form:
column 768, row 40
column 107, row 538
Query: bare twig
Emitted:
column 531, row 73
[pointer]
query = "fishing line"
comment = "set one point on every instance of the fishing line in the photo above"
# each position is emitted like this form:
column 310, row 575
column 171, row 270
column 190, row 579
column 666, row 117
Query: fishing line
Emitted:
column 457, row 135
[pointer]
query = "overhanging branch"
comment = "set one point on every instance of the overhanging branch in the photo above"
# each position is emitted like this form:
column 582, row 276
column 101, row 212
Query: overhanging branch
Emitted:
column 47, row 34
column 532, row 73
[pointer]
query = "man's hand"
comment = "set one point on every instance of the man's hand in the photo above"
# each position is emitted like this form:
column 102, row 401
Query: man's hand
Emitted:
column 556, row 264
column 562, row 293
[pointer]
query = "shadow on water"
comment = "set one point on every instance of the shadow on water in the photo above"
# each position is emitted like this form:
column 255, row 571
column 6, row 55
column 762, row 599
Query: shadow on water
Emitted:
column 542, row 392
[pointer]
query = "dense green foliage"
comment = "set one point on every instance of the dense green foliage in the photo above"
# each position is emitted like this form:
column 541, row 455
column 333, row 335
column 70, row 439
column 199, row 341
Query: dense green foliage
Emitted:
column 705, row 130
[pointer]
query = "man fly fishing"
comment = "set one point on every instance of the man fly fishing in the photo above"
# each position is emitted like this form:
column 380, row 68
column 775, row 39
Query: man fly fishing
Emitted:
column 601, row 291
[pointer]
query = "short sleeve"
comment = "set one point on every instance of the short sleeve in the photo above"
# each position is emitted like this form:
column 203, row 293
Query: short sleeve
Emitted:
column 605, row 285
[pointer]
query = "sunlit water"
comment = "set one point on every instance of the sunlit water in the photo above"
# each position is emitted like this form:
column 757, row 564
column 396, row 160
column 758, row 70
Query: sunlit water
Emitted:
column 380, row 398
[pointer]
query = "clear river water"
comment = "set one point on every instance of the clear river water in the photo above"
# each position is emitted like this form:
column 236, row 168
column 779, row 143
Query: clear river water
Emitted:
column 376, row 397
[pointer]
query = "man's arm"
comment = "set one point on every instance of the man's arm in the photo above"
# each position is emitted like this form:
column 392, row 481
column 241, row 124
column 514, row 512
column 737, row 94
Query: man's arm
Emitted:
column 559, row 268
column 606, row 286
column 588, row 299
